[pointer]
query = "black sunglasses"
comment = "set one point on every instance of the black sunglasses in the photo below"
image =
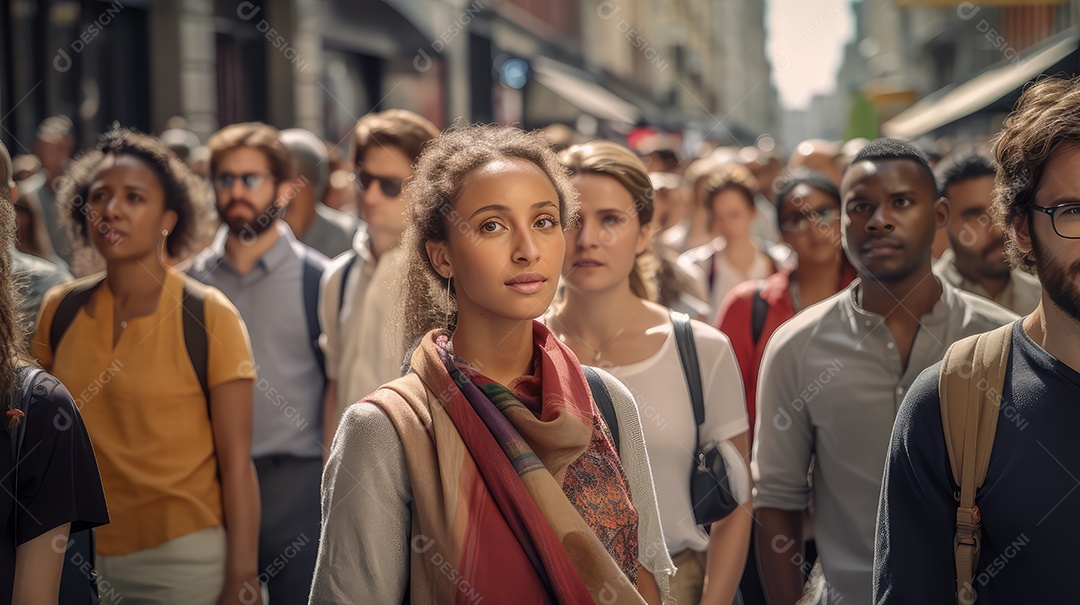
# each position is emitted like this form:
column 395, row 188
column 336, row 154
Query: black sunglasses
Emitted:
column 390, row 187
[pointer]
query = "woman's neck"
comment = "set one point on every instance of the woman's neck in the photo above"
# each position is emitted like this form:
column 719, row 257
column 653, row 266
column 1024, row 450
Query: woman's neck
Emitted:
column 500, row 349
column 135, row 281
column 592, row 317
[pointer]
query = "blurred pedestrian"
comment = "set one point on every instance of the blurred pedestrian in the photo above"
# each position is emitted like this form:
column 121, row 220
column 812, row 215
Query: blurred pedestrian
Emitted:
column 486, row 472
column 163, row 372
column 32, row 276
column 976, row 261
column 54, row 146
column 364, row 349
column 809, row 209
column 833, row 377
column 609, row 319
column 734, row 255
column 818, row 155
column 314, row 223
column 274, row 282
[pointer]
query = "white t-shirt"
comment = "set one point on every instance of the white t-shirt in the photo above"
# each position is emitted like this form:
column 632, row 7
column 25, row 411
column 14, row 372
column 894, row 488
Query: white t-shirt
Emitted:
column 663, row 399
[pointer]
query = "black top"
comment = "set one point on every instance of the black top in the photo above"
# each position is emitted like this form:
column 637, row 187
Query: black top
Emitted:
column 1029, row 503
column 56, row 480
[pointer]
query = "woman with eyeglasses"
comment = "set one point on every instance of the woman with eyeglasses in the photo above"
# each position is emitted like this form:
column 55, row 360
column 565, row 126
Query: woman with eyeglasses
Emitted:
column 161, row 369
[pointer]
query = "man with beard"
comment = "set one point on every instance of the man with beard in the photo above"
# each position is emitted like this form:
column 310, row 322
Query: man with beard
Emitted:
column 1027, row 505
column 273, row 280
column 976, row 260
column 833, row 376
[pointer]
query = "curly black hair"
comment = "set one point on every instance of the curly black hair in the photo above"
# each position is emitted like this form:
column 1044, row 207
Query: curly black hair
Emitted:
column 184, row 192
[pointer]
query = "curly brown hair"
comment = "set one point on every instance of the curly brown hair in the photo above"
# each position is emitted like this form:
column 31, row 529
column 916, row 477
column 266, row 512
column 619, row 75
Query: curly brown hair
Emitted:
column 184, row 191
column 1046, row 117
column 430, row 195
column 13, row 352
column 613, row 160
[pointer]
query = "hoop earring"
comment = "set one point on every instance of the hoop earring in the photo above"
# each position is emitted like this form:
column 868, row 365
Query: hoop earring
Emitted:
column 446, row 321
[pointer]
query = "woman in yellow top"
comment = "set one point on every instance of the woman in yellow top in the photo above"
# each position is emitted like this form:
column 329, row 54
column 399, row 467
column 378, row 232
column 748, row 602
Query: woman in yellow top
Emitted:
column 166, row 395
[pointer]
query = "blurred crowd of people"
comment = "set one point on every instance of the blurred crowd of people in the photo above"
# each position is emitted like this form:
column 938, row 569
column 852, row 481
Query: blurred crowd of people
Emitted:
column 209, row 315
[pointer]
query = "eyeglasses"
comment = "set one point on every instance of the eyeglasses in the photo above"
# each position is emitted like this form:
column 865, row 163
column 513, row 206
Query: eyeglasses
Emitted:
column 799, row 224
column 1064, row 217
column 390, row 187
column 251, row 180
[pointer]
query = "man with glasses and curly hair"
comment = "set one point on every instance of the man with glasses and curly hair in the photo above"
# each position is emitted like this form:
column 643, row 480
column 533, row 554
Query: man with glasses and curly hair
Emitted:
column 362, row 346
column 1026, row 509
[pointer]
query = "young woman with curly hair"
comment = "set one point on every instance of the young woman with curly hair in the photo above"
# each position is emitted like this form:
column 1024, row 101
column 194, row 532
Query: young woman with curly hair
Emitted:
column 172, row 426
column 487, row 472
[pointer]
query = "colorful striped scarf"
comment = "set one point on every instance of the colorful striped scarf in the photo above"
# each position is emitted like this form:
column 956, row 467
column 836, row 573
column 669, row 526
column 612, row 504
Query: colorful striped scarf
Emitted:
column 518, row 494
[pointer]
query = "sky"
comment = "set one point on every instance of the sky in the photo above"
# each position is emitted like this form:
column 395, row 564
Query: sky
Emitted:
column 805, row 42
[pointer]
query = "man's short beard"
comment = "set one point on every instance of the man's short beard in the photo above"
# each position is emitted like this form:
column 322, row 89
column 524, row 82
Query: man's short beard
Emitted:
column 251, row 230
column 1058, row 281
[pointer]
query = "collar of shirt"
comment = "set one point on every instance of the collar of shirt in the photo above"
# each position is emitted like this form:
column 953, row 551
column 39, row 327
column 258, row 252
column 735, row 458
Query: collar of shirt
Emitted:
column 868, row 321
column 361, row 243
column 283, row 248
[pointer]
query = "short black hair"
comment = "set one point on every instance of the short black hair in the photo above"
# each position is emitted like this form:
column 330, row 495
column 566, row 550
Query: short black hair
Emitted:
column 811, row 178
column 960, row 167
column 895, row 149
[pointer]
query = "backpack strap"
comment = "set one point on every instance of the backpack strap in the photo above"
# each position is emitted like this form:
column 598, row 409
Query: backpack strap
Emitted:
column 758, row 310
column 194, row 322
column 75, row 299
column 603, row 401
column 684, row 340
column 312, row 276
column 345, row 280
column 970, row 386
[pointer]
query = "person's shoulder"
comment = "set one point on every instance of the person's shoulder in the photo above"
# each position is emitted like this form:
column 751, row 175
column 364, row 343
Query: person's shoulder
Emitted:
column 808, row 322
column 615, row 388
column 214, row 301
column 49, row 396
column 337, row 265
column 310, row 255
column 707, row 337
column 37, row 268
column 981, row 314
column 204, row 263
column 921, row 405
column 336, row 218
column 697, row 256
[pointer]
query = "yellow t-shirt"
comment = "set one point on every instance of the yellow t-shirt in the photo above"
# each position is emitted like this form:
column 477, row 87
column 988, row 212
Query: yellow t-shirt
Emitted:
column 145, row 411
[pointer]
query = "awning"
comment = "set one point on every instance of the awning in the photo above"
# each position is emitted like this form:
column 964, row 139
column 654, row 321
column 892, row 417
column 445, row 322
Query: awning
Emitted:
column 579, row 90
column 988, row 87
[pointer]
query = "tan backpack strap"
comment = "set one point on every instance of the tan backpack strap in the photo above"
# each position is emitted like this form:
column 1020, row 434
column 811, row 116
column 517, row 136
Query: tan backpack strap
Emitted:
column 970, row 389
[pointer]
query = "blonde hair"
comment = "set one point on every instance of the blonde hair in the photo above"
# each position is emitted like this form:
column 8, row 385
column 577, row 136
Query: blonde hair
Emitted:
column 610, row 159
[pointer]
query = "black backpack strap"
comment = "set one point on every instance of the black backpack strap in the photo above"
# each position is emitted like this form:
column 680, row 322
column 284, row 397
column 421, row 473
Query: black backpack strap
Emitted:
column 75, row 299
column 194, row 321
column 603, row 402
column 758, row 311
column 684, row 339
column 345, row 280
column 312, row 275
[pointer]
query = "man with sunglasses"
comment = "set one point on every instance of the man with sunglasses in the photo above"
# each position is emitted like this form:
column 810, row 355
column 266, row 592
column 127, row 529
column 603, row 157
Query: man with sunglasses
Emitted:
column 834, row 375
column 273, row 280
column 1027, row 504
column 362, row 347
column 975, row 260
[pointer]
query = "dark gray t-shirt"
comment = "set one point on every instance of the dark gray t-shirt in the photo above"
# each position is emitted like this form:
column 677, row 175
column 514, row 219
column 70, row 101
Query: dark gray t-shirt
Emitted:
column 1029, row 502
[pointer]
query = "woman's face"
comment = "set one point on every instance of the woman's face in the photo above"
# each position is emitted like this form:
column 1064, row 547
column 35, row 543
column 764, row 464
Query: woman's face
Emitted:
column 601, row 252
column 733, row 214
column 809, row 223
column 125, row 209
column 504, row 243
